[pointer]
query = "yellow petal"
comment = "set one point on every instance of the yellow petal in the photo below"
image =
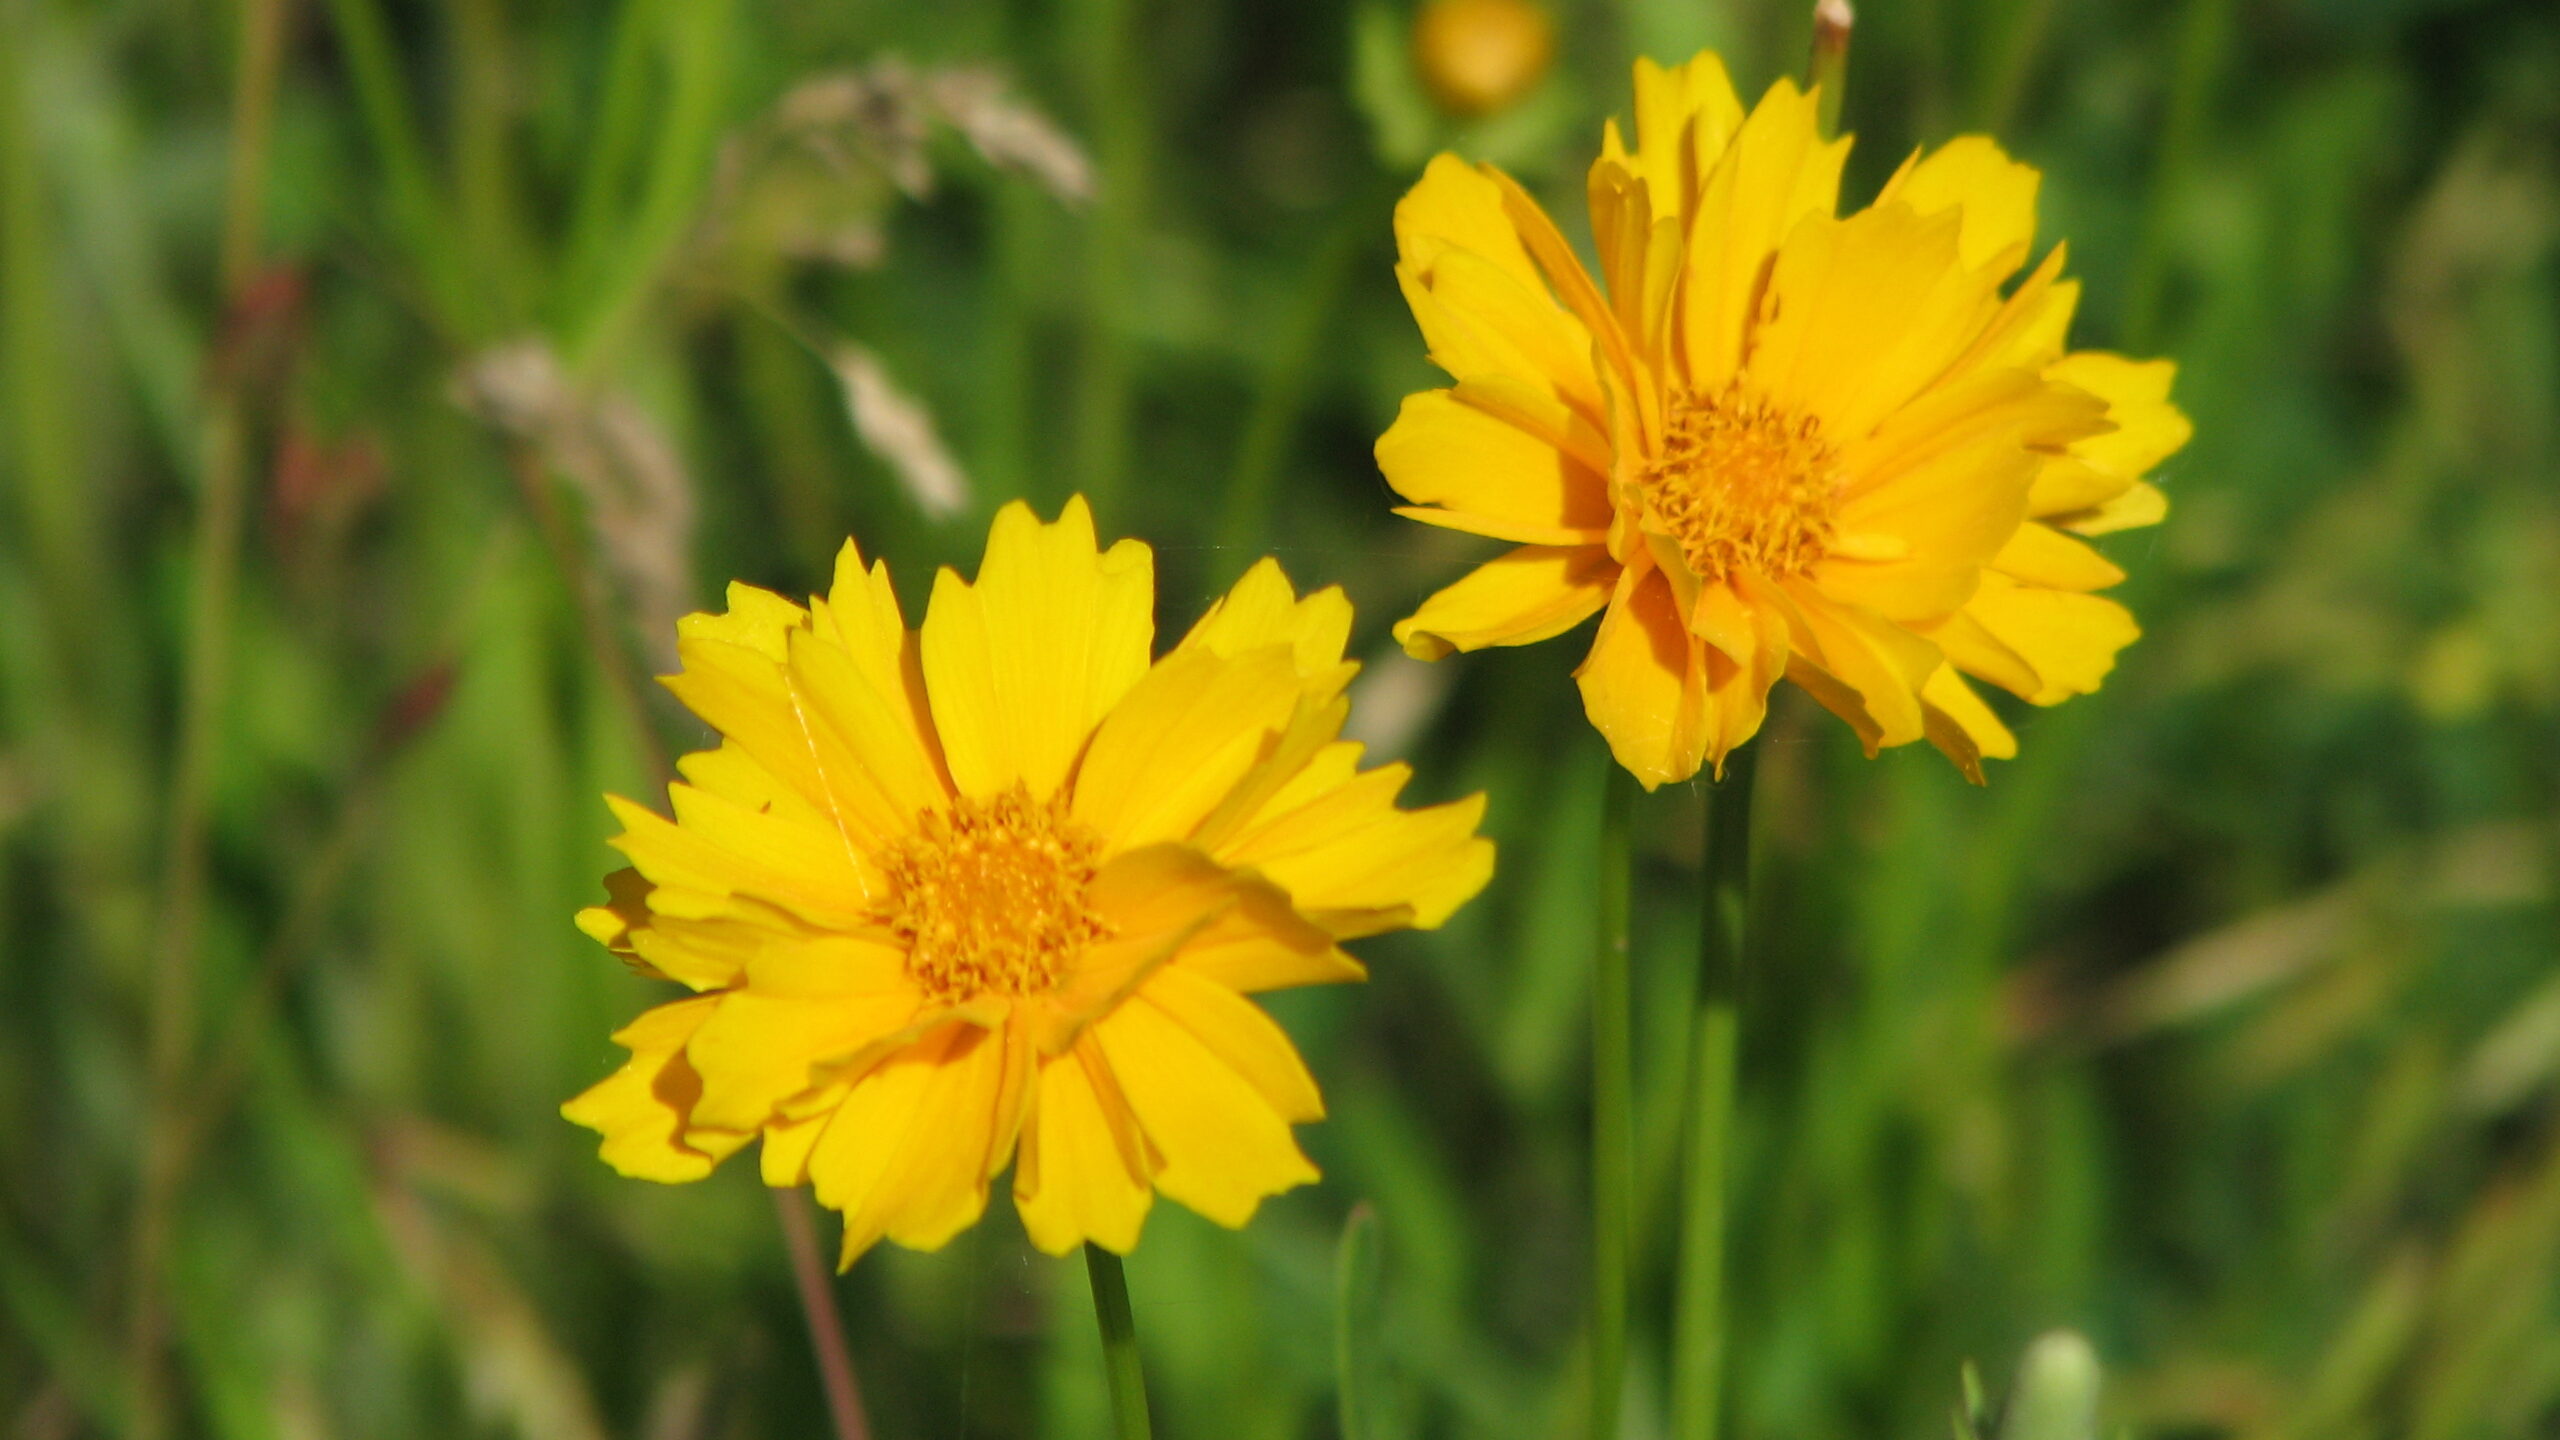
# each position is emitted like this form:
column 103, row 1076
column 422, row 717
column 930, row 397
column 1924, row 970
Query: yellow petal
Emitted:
column 2149, row 429
column 1083, row 1173
column 1738, row 685
column 728, row 771
column 1157, row 900
column 1222, row 1146
column 1480, row 300
column 1948, row 477
column 1530, row 594
column 1776, row 171
column 1961, row 726
column 2069, row 640
column 828, row 966
column 700, row 929
column 1868, row 311
column 1301, row 745
column 626, row 906
column 1238, row 1032
column 811, row 869
column 909, row 1152
column 1685, row 117
column 762, row 1049
column 738, row 675
column 2040, row 555
column 872, row 714
column 1264, row 610
column 739, row 690
column 1021, row 665
column 1980, row 654
column 1253, row 949
column 1936, row 439
column 2140, row 504
column 1455, row 206
column 1183, row 738
column 1346, row 854
column 783, row 1162
column 2027, row 331
column 1490, row 476
column 1622, row 231
column 757, row 620
column 1644, row 684
column 1862, row 667
column 1566, row 277
column 1973, row 176
column 861, row 617
column 643, row 1108
column 758, row 703
column 2068, row 488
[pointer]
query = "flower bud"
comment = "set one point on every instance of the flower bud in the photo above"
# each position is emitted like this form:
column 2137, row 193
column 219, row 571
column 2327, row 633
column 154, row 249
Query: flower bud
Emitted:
column 2056, row 1394
column 1477, row 57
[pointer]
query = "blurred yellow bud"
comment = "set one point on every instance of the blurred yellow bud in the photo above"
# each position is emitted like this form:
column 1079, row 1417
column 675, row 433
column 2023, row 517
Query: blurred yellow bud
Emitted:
column 1480, row 56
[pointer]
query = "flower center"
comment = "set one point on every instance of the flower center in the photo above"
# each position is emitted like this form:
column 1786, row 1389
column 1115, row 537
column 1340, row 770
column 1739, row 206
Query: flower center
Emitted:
column 1741, row 485
column 992, row 897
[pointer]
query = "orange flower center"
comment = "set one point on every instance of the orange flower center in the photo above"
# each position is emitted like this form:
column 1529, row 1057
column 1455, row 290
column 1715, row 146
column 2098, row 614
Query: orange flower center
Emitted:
column 993, row 897
column 1741, row 484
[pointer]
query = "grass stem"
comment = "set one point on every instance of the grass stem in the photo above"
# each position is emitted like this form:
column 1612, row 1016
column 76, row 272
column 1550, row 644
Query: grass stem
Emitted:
column 1698, row 1318
column 1116, row 100
column 1119, row 1344
column 415, row 203
column 1613, row 1155
column 1280, row 399
column 213, row 576
column 2204, row 44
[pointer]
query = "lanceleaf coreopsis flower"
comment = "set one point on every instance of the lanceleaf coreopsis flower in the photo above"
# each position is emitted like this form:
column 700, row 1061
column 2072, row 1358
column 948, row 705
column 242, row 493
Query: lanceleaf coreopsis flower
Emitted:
column 997, row 890
column 1775, row 441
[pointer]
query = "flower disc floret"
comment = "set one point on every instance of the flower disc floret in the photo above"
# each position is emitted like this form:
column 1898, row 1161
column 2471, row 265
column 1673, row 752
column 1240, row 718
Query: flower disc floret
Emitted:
column 1742, row 485
column 993, row 897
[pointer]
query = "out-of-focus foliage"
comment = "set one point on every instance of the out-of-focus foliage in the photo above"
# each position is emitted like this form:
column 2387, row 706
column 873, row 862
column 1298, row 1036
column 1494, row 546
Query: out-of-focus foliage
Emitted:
column 2222, row 1028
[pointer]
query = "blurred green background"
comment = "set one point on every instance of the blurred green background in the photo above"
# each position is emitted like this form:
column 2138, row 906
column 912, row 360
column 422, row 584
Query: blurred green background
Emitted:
column 378, row 380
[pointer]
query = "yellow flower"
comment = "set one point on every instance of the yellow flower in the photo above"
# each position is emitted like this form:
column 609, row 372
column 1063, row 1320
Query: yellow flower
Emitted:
column 1004, row 883
column 1777, row 442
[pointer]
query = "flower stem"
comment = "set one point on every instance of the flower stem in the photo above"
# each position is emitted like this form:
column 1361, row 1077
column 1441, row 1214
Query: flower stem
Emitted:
column 1698, row 1328
column 1119, row 1343
column 1613, row 1158
column 826, row 1327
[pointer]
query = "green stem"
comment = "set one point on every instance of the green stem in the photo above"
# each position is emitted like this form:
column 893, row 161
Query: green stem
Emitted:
column 1613, row 1155
column 1119, row 1343
column 485, row 207
column 697, row 40
column 1280, row 400
column 1115, row 106
column 1698, row 1320
column 2003, row 81
column 1829, row 71
column 621, row 109
column 417, row 209
column 2204, row 41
